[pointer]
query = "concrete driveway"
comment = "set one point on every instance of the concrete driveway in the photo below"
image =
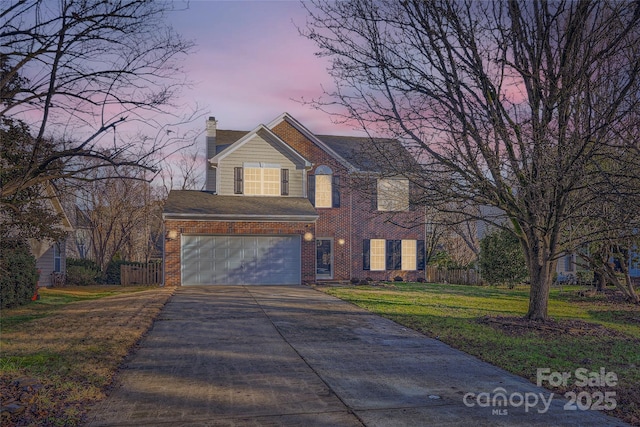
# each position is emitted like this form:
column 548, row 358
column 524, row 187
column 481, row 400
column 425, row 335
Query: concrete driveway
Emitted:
column 290, row 355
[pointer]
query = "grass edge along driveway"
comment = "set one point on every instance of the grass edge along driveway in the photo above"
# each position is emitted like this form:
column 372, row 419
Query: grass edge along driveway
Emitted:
column 587, row 332
column 58, row 355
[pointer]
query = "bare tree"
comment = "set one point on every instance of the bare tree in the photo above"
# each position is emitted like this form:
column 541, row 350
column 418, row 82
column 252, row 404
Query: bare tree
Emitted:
column 76, row 71
column 184, row 170
column 506, row 104
column 121, row 215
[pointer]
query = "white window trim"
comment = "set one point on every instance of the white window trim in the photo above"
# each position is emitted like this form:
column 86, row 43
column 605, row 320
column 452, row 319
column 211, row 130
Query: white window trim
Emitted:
column 262, row 167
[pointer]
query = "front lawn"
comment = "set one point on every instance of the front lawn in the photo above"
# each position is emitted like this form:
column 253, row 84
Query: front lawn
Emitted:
column 586, row 331
column 58, row 354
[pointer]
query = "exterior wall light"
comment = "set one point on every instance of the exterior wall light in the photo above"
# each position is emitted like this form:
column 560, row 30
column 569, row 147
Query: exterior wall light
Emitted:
column 308, row 236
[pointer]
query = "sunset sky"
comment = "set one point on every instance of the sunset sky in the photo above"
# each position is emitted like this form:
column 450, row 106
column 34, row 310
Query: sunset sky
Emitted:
column 250, row 64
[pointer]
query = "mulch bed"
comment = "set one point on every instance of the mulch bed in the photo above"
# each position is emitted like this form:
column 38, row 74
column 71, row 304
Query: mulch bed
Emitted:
column 518, row 326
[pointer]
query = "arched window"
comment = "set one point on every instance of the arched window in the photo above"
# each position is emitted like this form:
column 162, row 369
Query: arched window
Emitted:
column 324, row 188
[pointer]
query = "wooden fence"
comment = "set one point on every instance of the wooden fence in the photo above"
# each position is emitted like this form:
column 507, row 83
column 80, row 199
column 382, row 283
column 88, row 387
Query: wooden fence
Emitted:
column 143, row 274
column 459, row 277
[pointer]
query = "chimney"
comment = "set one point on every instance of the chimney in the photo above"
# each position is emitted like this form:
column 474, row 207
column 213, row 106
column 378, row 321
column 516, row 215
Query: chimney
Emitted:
column 211, row 127
column 210, row 184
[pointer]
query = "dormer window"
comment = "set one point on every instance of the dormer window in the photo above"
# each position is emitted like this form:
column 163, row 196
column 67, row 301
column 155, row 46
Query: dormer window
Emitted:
column 324, row 188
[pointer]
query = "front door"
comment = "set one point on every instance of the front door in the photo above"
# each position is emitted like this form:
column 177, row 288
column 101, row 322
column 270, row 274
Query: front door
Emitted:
column 324, row 259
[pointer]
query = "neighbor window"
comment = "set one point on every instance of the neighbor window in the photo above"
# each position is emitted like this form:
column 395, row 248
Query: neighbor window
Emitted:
column 393, row 194
column 57, row 258
column 568, row 262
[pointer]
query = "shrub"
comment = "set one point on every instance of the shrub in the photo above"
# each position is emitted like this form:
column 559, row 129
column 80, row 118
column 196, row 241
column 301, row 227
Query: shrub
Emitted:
column 355, row 280
column 398, row 279
column 502, row 259
column 363, row 282
column 18, row 273
column 112, row 273
column 82, row 272
column 421, row 280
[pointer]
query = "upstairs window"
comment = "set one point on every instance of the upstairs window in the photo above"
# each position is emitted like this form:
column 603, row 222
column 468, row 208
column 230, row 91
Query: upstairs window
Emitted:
column 324, row 188
column 393, row 194
column 256, row 179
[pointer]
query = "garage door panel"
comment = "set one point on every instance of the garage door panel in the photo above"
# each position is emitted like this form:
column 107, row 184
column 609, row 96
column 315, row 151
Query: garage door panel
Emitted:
column 241, row 260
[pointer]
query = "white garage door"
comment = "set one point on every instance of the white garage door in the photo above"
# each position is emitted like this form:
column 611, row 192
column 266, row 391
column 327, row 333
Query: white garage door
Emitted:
column 241, row 260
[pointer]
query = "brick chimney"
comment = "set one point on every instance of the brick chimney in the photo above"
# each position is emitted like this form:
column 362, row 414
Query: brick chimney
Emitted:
column 211, row 152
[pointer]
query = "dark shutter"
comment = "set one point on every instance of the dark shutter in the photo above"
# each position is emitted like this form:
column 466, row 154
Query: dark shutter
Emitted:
column 421, row 255
column 335, row 191
column 374, row 196
column 366, row 254
column 312, row 189
column 394, row 254
column 238, row 184
column 284, row 184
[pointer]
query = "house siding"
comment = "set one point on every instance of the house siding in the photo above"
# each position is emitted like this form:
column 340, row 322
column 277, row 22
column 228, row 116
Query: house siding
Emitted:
column 172, row 261
column 46, row 263
column 259, row 150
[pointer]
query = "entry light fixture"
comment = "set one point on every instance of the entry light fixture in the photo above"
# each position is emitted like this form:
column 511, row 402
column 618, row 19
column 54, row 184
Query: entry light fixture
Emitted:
column 172, row 235
column 308, row 236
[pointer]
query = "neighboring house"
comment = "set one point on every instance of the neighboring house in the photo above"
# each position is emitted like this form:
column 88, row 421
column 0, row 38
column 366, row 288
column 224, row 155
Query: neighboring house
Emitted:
column 285, row 206
column 50, row 256
column 79, row 241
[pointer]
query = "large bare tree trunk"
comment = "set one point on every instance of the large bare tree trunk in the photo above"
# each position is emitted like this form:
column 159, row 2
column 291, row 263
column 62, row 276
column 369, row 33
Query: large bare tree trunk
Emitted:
column 541, row 263
column 541, row 278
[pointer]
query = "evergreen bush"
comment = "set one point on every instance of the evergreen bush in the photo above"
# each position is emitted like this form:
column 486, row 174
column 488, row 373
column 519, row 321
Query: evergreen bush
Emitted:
column 18, row 273
column 502, row 259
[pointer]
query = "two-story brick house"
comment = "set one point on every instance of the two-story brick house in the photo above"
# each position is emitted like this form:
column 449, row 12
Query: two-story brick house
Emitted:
column 285, row 206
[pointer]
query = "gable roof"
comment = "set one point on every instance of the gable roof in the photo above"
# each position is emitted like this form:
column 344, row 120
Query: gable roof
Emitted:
column 262, row 131
column 192, row 204
column 357, row 154
column 313, row 138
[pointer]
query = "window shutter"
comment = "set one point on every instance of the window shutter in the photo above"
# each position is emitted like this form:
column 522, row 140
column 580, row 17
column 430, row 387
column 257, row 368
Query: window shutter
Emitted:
column 284, row 184
column 421, row 255
column 394, row 255
column 312, row 189
column 238, row 185
column 335, row 191
column 366, row 254
column 374, row 197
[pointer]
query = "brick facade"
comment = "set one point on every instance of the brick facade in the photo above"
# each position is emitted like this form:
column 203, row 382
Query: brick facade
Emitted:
column 355, row 220
column 172, row 273
column 357, row 217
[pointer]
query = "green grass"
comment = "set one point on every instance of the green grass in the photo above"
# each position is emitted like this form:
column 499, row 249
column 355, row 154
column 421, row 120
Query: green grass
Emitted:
column 452, row 314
